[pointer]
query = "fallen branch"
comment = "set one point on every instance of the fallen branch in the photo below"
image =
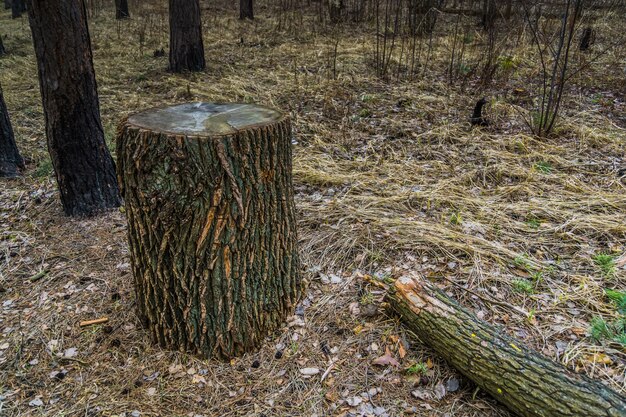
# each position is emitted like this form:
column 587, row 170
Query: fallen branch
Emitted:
column 86, row 323
column 525, row 381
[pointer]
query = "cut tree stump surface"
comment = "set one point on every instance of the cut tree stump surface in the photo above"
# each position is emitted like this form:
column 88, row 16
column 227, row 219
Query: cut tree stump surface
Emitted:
column 205, row 118
column 211, row 224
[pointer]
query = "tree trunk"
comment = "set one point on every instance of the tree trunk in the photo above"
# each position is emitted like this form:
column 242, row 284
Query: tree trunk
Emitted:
column 11, row 162
column 212, row 232
column 17, row 8
column 2, row 50
column 186, row 47
column 121, row 9
column 245, row 9
column 529, row 384
column 7, row 4
column 335, row 11
column 83, row 165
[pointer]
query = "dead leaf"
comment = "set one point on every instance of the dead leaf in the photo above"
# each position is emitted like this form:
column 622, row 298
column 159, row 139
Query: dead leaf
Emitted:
column 401, row 351
column 386, row 359
column 439, row 391
column 421, row 394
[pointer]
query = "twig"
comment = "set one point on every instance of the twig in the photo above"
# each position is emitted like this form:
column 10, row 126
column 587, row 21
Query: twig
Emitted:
column 86, row 323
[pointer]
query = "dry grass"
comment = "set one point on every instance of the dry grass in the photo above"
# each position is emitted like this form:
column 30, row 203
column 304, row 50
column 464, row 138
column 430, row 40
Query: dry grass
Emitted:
column 390, row 180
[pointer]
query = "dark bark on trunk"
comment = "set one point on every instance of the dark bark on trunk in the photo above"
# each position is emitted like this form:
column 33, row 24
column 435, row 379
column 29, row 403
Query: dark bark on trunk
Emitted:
column 186, row 47
column 211, row 226
column 2, row 50
column 528, row 383
column 587, row 39
column 245, row 9
column 7, row 4
column 490, row 13
column 121, row 9
column 85, row 171
column 11, row 162
column 17, row 8
column 335, row 11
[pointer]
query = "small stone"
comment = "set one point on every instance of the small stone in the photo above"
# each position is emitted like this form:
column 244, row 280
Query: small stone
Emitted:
column 452, row 385
column 309, row 371
column 354, row 401
column 36, row 402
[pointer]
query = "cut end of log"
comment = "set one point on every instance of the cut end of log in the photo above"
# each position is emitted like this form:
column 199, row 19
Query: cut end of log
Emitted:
column 205, row 119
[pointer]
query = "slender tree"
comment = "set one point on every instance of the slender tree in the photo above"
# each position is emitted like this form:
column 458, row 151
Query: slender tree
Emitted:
column 17, row 8
column 186, row 47
column 11, row 162
column 121, row 9
column 246, row 9
column 84, row 169
column 2, row 50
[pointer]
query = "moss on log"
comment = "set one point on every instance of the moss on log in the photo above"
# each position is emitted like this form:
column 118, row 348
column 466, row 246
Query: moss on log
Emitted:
column 526, row 382
column 211, row 224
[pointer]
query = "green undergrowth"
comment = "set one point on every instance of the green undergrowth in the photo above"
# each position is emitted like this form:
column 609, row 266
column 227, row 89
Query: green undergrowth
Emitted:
column 602, row 330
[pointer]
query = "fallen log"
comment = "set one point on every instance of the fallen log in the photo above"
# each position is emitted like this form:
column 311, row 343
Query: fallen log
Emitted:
column 526, row 382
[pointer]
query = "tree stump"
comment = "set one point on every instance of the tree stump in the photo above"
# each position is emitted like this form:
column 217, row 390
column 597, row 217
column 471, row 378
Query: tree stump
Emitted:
column 211, row 224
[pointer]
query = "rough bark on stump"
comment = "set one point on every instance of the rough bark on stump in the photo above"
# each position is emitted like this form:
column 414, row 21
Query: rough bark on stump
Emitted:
column 209, row 201
column 528, row 383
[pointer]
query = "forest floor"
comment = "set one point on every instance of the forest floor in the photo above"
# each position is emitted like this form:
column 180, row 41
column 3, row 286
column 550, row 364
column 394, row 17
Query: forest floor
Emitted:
column 390, row 180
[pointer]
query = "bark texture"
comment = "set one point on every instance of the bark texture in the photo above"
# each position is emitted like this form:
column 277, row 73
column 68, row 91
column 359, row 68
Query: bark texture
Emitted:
column 84, row 169
column 186, row 47
column 246, row 9
column 2, row 50
column 7, row 4
column 11, row 162
column 17, row 8
column 121, row 9
column 528, row 383
column 212, row 226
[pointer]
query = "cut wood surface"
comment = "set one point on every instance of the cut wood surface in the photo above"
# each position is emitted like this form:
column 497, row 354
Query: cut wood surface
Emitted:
column 525, row 381
column 212, row 231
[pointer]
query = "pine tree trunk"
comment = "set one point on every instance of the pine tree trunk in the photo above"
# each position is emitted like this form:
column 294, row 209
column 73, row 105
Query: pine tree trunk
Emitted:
column 526, row 382
column 7, row 4
column 246, row 9
column 212, row 232
column 11, row 162
column 186, row 47
column 17, row 8
column 2, row 50
column 121, row 9
column 84, row 168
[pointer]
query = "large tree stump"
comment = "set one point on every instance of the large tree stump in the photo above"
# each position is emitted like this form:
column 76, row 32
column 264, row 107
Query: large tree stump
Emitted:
column 528, row 383
column 211, row 224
